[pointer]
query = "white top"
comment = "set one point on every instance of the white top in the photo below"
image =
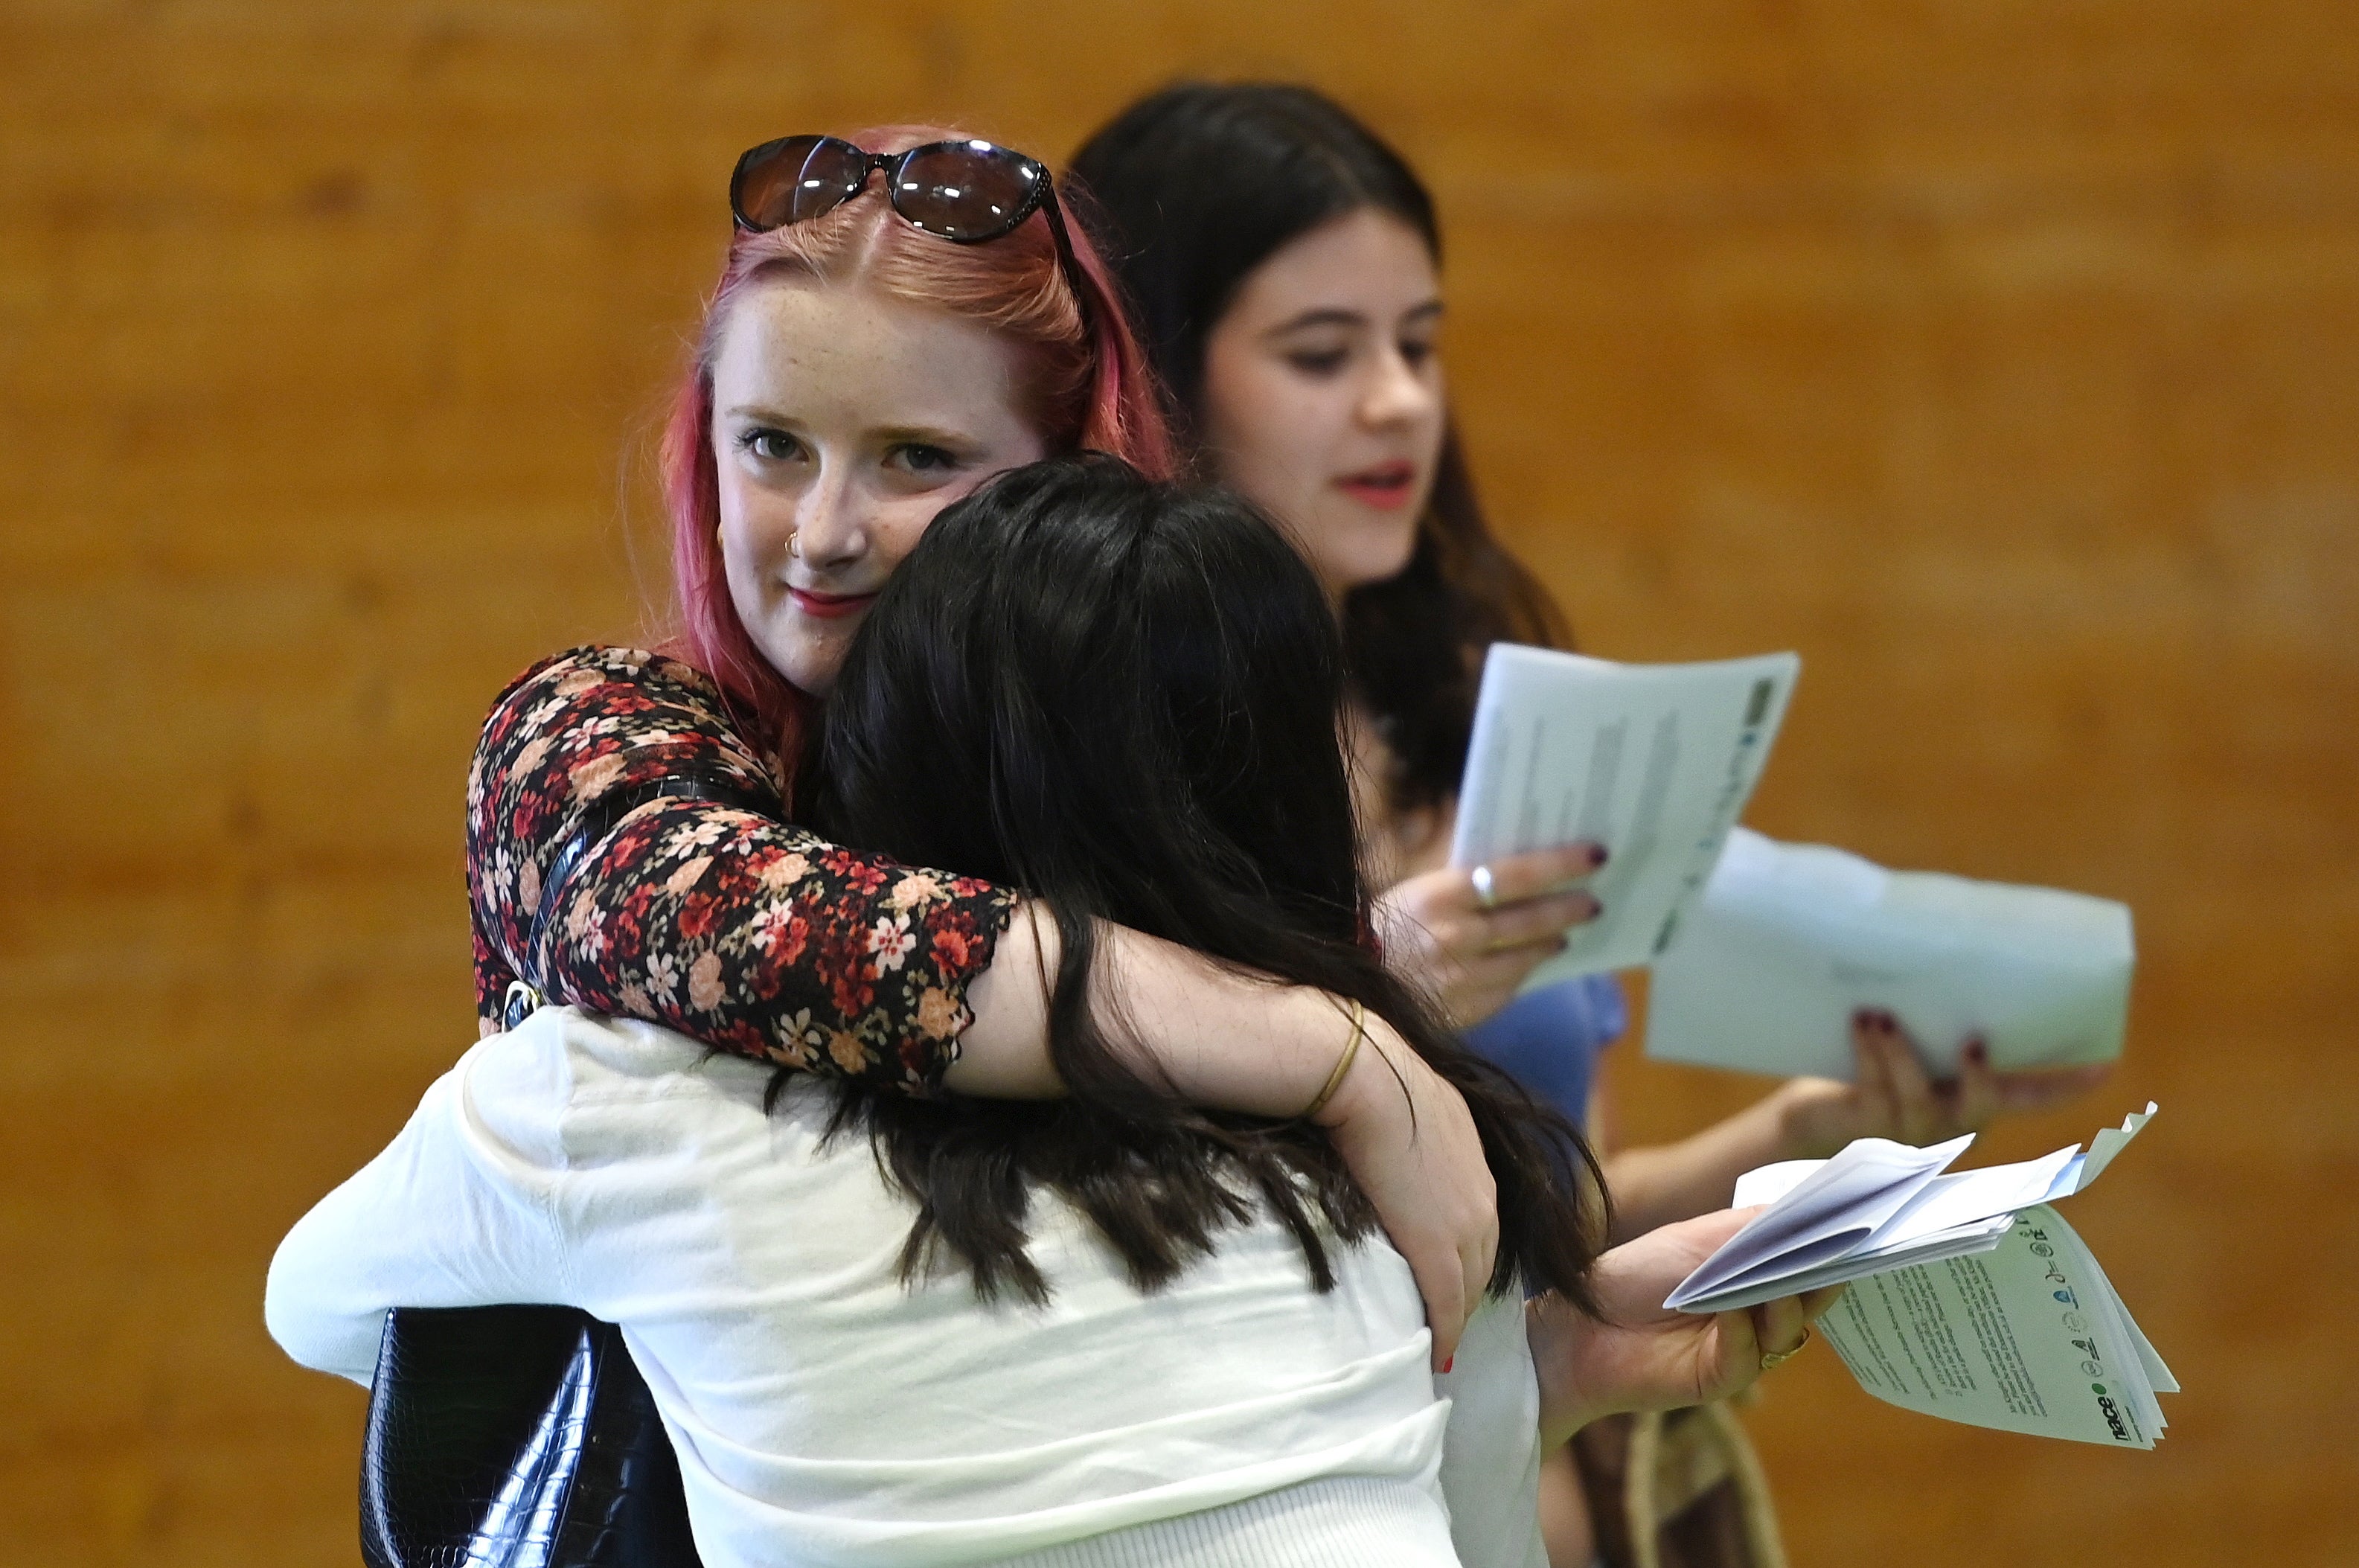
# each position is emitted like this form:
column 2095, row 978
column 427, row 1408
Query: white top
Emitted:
column 825, row 1413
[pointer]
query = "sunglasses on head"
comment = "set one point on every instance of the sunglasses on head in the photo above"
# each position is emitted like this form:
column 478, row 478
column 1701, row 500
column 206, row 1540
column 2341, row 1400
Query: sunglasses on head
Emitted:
column 965, row 191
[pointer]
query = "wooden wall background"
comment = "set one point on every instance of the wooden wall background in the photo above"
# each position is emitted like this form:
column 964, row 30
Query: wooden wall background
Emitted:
column 2002, row 357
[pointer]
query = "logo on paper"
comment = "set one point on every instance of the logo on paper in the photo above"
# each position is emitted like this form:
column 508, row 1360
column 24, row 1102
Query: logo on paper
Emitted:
column 2112, row 1414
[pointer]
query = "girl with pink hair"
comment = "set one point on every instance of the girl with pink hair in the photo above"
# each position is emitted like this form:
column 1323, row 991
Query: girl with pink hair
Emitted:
column 873, row 354
column 1170, row 1382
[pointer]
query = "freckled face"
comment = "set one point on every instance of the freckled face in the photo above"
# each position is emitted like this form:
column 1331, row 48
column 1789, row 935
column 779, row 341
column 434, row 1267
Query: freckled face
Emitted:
column 843, row 420
column 1323, row 393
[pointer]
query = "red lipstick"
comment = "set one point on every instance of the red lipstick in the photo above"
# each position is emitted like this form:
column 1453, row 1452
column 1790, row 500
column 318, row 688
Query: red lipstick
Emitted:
column 1387, row 486
column 829, row 606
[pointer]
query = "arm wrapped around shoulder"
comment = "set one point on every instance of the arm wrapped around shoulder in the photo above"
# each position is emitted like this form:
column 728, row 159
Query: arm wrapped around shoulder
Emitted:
column 723, row 920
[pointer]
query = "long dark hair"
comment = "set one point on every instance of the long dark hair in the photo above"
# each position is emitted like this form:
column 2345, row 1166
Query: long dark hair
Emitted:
column 1189, row 190
column 1124, row 698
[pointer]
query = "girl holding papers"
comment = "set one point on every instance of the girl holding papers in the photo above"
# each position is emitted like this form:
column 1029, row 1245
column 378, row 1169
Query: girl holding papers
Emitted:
column 1284, row 262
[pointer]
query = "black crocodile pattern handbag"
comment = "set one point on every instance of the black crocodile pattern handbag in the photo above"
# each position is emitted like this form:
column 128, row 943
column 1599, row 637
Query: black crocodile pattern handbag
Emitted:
column 516, row 1437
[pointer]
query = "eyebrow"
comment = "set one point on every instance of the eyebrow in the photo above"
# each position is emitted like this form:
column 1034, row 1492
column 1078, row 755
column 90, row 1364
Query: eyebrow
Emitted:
column 1334, row 316
column 923, row 435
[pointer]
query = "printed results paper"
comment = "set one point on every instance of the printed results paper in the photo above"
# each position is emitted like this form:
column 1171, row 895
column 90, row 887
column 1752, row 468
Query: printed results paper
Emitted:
column 2027, row 1337
column 1654, row 762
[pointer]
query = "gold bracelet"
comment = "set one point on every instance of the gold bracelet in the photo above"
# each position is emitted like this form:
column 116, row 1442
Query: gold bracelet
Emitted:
column 1342, row 1065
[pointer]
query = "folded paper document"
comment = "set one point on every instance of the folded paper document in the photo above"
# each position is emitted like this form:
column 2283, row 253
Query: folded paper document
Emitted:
column 1786, row 940
column 1970, row 1296
column 1654, row 762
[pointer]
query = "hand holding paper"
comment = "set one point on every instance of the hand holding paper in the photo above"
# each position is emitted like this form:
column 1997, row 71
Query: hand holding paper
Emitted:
column 1471, row 945
column 1929, row 1324
column 1654, row 762
column 1639, row 1355
column 1892, row 1094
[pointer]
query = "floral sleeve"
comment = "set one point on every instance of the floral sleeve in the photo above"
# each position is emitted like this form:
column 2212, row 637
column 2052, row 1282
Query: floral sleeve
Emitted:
column 723, row 921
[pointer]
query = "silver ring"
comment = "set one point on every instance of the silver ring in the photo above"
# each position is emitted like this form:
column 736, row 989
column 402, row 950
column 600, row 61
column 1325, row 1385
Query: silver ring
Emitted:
column 1486, row 890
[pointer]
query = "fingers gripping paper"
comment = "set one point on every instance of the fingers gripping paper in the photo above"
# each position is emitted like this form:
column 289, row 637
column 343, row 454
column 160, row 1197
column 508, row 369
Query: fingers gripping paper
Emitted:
column 1654, row 762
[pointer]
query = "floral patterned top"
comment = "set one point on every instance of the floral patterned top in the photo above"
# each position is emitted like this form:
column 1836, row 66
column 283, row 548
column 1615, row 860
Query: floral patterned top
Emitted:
column 724, row 922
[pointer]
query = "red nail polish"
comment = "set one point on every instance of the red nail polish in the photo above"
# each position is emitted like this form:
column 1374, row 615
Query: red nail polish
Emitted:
column 1452, row 1361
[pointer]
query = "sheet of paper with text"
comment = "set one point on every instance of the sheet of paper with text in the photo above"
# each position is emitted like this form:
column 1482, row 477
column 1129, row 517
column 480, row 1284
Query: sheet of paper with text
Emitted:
column 1654, row 762
column 1966, row 1296
column 2027, row 1337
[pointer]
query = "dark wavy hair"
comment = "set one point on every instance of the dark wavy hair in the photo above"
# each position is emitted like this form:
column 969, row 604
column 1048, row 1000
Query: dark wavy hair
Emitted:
column 1124, row 697
column 1189, row 190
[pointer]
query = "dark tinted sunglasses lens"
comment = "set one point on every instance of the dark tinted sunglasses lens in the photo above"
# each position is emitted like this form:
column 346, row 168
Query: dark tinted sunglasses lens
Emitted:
column 787, row 181
column 966, row 190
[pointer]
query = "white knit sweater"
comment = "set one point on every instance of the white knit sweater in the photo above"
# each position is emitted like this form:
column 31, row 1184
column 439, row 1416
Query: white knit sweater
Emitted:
column 825, row 1413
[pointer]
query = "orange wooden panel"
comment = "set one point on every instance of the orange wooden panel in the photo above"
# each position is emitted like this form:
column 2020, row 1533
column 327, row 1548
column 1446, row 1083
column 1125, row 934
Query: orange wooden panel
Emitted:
column 2003, row 359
